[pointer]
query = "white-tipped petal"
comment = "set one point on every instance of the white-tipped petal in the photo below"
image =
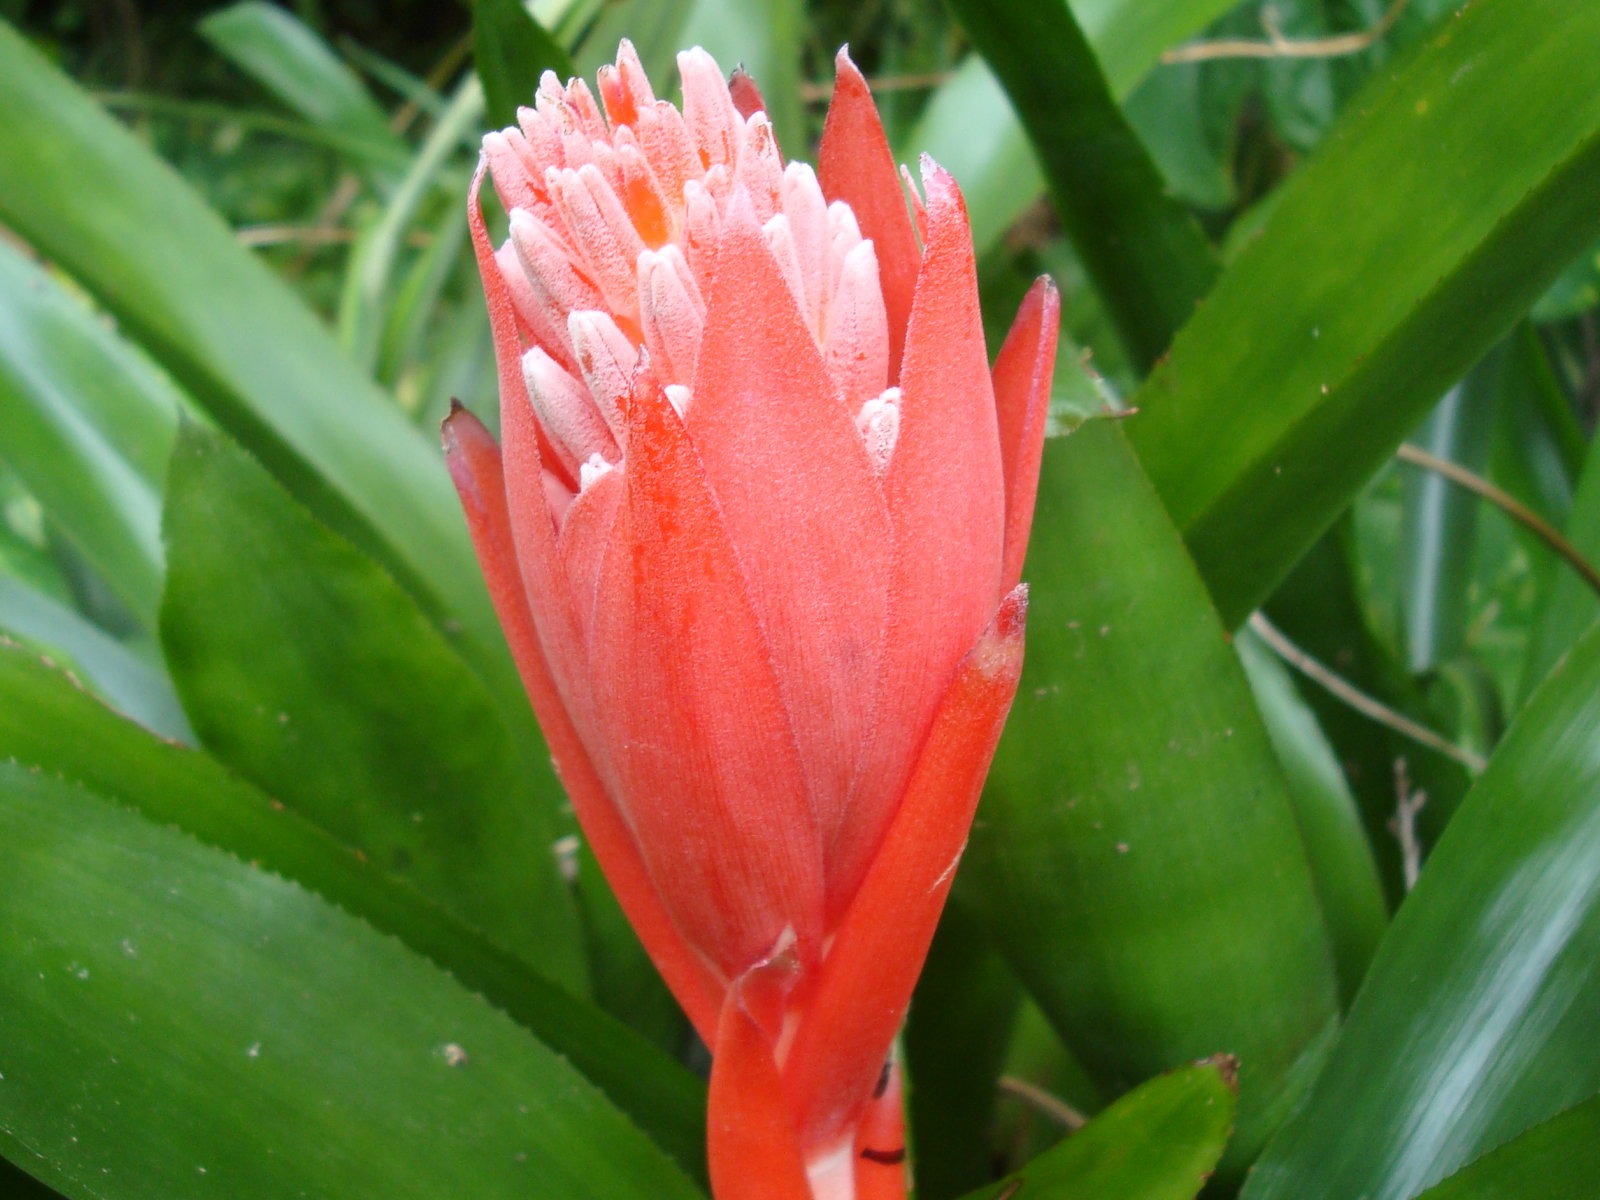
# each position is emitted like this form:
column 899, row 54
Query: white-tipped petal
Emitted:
column 780, row 240
column 671, row 313
column 556, row 282
column 708, row 110
column 808, row 223
column 760, row 165
column 607, row 359
column 855, row 342
column 702, row 225
column 879, row 423
column 601, row 231
column 566, row 411
column 591, row 469
column 678, row 396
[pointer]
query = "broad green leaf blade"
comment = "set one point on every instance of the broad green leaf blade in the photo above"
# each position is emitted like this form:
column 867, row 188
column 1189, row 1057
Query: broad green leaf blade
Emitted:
column 1342, row 866
column 175, row 1023
column 1558, row 1160
column 1159, row 1142
column 1477, row 1019
column 1457, row 186
column 1137, row 850
column 304, row 667
column 971, row 129
column 235, row 336
column 299, row 68
column 48, row 723
column 130, row 684
column 88, row 427
column 511, row 51
column 1145, row 254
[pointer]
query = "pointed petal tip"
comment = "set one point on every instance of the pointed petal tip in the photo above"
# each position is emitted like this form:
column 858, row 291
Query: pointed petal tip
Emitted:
column 1012, row 618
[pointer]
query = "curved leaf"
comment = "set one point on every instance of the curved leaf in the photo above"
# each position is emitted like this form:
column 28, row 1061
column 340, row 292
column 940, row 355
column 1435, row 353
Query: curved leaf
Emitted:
column 308, row 670
column 48, row 723
column 1457, row 186
column 178, row 1024
column 1159, row 1142
column 1477, row 1019
column 1557, row 1160
column 1137, row 850
column 88, row 427
column 237, row 338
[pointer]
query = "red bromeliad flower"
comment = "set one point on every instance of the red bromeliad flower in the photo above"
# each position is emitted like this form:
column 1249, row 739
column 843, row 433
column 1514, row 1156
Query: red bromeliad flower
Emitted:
column 754, row 536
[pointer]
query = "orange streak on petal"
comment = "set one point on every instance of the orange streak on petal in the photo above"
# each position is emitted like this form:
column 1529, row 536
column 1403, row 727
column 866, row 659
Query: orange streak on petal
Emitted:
column 698, row 736
column 866, row 980
column 1022, row 376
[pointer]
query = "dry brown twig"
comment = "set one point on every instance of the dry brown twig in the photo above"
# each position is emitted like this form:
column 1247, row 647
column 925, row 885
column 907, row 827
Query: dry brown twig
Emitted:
column 1409, row 802
column 1275, row 45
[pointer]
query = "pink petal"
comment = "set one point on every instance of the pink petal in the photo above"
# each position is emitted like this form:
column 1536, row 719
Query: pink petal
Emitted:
column 855, row 165
column 866, row 980
column 586, row 533
column 806, row 516
column 476, row 467
column 1022, row 375
column 498, row 299
column 624, row 88
column 745, row 94
column 697, row 729
column 945, row 490
column 714, row 124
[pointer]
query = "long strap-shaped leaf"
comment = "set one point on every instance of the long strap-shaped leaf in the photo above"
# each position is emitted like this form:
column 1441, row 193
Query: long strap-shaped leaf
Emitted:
column 1458, row 185
column 1477, row 1018
column 117, row 219
column 180, row 1024
column 1148, row 258
column 48, row 725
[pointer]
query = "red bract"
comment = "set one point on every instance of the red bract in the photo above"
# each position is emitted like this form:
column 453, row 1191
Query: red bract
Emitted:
column 754, row 536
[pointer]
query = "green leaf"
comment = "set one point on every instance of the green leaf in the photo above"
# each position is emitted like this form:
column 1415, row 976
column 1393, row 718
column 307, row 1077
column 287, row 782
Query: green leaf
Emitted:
column 1439, row 520
column 309, row 671
column 1477, row 1019
column 970, row 127
column 512, row 50
column 1342, row 866
column 1137, row 849
column 88, row 426
column 236, row 337
column 1159, row 1142
column 47, row 722
column 1147, row 258
column 179, row 1024
column 128, row 682
column 286, row 56
column 1557, row 1160
column 370, row 287
column 1458, row 184
column 957, row 1035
